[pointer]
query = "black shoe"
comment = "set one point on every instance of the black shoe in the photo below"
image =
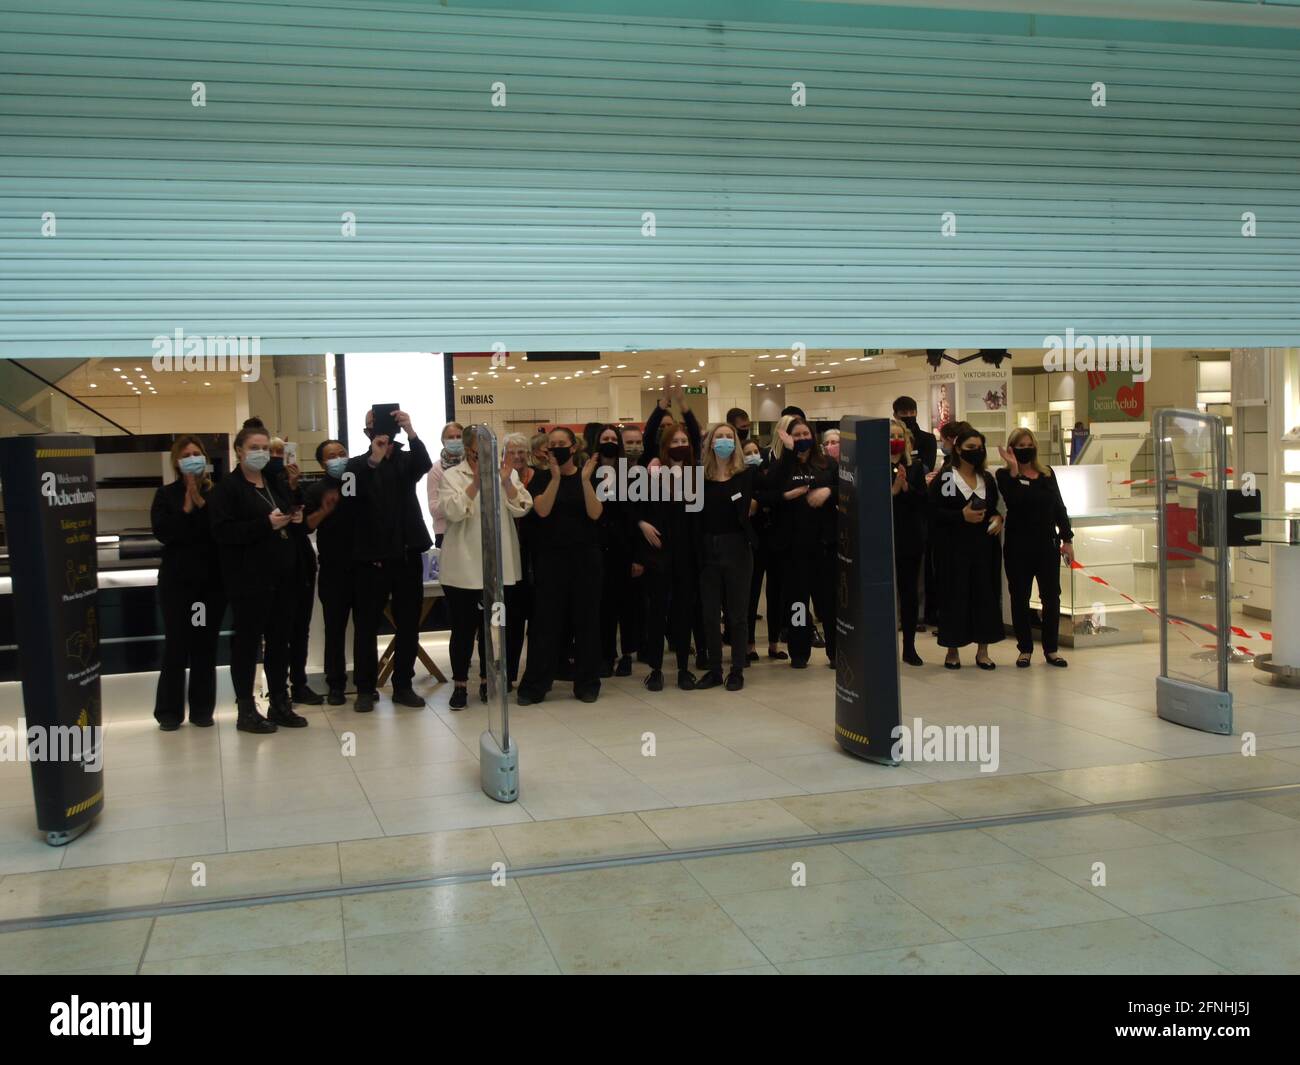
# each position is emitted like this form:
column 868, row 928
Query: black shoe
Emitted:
column 654, row 680
column 169, row 726
column 711, row 679
column 202, row 722
column 336, row 697
column 986, row 665
column 525, row 697
column 952, row 663
column 482, row 691
column 751, row 658
column 795, row 664
column 818, row 640
column 920, row 627
column 407, row 697
column 1022, row 660
column 624, row 667
column 303, row 695
column 588, row 693
column 912, row 658
column 282, row 715
column 735, row 680
column 778, row 656
column 1057, row 660
column 365, row 702
column 249, row 720
column 459, row 700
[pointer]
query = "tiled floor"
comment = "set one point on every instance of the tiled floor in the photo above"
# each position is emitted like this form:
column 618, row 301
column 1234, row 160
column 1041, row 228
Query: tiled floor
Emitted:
column 358, row 798
column 1208, row 887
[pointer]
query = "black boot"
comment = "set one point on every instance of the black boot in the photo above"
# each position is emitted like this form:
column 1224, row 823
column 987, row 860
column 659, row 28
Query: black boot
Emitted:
column 654, row 680
column 624, row 667
column 249, row 720
column 303, row 695
column 281, row 713
column 711, row 679
column 686, row 680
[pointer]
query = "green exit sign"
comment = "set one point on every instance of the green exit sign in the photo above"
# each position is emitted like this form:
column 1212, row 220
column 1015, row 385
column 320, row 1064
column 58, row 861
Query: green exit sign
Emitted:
column 696, row 390
column 871, row 353
column 823, row 388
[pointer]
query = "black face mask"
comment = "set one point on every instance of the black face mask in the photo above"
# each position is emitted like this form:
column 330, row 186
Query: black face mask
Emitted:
column 801, row 446
column 975, row 456
column 609, row 449
column 274, row 466
column 743, row 434
column 680, row 452
column 910, row 423
column 561, row 455
column 1025, row 455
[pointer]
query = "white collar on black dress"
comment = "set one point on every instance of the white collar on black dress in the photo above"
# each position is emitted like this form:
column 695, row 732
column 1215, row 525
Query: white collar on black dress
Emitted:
column 966, row 490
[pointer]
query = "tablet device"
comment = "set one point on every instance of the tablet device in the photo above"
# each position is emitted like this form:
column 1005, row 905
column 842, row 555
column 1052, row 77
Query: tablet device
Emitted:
column 385, row 424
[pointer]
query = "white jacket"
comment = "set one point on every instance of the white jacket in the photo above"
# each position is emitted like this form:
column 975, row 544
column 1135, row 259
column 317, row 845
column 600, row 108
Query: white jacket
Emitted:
column 460, row 563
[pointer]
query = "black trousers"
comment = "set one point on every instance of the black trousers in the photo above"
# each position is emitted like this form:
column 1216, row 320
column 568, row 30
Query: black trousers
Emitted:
column 566, row 600
column 620, row 607
column 810, row 574
column 334, row 586
column 773, row 565
column 724, row 586
column 466, row 606
column 907, row 571
column 303, row 601
column 187, row 645
column 670, row 608
column 375, row 584
column 1026, row 564
column 262, row 620
column 931, row 572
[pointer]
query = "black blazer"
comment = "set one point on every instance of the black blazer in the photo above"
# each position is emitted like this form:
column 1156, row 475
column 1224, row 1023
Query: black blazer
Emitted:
column 189, row 554
column 388, row 517
column 910, row 513
column 927, row 445
column 254, row 556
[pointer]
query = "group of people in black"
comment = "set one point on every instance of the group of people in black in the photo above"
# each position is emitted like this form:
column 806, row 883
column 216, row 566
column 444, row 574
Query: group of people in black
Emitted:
column 595, row 577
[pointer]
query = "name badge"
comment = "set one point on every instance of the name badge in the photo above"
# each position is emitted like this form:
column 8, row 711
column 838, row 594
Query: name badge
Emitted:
column 1024, row 480
column 735, row 497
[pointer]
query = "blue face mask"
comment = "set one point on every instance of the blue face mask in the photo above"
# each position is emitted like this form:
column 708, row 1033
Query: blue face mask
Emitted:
column 193, row 464
column 724, row 448
column 256, row 460
column 753, row 460
column 455, row 447
column 336, row 467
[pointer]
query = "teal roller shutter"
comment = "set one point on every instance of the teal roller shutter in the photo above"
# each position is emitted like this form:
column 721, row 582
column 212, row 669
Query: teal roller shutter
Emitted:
column 524, row 223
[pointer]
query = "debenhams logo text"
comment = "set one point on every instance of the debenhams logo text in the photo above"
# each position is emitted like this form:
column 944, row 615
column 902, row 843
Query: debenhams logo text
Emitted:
column 132, row 1019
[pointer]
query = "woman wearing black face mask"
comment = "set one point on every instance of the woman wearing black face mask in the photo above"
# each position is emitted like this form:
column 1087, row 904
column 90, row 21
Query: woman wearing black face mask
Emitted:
column 566, row 572
column 808, row 486
column 964, row 501
column 620, row 592
column 1038, row 534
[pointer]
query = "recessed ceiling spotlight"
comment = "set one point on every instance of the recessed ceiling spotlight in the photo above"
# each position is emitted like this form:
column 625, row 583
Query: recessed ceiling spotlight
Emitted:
column 207, row 384
column 93, row 385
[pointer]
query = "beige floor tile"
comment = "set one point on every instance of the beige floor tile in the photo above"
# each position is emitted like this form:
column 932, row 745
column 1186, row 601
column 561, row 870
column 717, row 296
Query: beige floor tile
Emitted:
column 682, row 936
column 928, row 852
column 931, row 959
column 845, row 811
column 672, row 755
column 470, row 850
column 791, row 924
column 545, row 842
column 1226, row 772
column 1205, row 820
column 492, row 949
column 254, row 873
column 1172, row 876
column 101, row 946
column 721, row 784
column 301, row 829
column 307, row 959
column 418, row 909
column 105, row 887
column 399, row 783
column 988, row 899
column 738, row 822
column 32, row 855
column 142, row 844
column 446, row 813
column 1074, row 835
column 782, row 742
column 282, row 924
column 751, row 970
column 1008, row 764
column 769, row 870
column 838, row 771
column 281, row 798
column 600, row 889
column 1246, row 937
column 997, row 796
column 1271, row 856
column 1287, row 804
column 1120, row 947
column 1123, row 783
column 605, row 792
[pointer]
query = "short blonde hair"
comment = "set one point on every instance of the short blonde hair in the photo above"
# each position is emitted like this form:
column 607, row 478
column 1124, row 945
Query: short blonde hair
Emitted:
column 783, row 426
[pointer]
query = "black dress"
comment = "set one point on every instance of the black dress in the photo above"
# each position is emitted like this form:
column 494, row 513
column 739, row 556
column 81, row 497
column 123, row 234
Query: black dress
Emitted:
column 807, row 537
column 969, row 565
column 1037, row 524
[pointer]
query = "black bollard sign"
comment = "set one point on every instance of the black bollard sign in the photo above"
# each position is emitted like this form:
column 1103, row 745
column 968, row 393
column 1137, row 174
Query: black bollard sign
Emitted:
column 867, row 684
column 49, row 499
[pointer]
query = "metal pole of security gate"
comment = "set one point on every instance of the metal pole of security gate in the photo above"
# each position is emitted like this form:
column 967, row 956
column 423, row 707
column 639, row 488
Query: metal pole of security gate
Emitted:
column 1192, row 550
column 498, row 756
